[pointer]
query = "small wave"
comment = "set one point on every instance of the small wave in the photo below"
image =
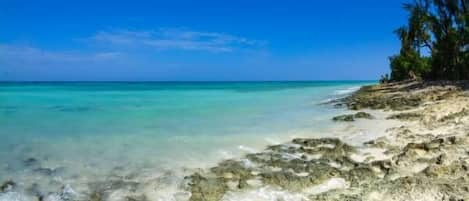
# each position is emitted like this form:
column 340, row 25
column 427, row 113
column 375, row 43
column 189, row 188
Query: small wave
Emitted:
column 272, row 141
column 339, row 94
column 247, row 149
column 226, row 154
column 248, row 163
column 12, row 196
column 328, row 100
column 346, row 91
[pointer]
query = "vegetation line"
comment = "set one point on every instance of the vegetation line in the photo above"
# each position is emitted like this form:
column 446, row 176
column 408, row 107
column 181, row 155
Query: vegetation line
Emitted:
column 434, row 43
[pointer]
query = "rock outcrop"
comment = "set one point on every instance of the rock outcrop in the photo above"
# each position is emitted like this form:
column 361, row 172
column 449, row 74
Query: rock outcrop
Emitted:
column 427, row 158
column 352, row 117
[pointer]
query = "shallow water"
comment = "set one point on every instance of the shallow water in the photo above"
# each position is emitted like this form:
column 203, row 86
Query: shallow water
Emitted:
column 55, row 134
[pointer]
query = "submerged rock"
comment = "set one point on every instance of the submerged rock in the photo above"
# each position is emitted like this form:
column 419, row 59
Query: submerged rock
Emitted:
column 7, row 186
column 49, row 171
column 136, row 198
column 36, row 191
column 352, row 117
column 291, row 167
column 105, row 190
column 345, row 117
column 31, row 162
column 207, row 188
column 96, row 196
column 66, row 194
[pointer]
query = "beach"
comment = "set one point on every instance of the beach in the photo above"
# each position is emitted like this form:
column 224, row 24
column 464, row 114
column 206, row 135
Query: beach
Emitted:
column 87, row 135
column 234, row 100
column 400, row 141
column 424, row 158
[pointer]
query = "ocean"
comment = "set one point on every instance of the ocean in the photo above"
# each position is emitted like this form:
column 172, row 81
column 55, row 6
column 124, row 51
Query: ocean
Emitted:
column 73, row 134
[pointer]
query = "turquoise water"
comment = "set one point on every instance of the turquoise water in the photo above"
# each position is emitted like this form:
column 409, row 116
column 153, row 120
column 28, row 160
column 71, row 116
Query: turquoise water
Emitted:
column 91, row 129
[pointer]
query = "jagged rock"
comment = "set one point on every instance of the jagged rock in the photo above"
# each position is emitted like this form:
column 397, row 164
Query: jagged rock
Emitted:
column 345, row 117
column 96, row 196
column 136, row 198
column 464, row 112
column 456, row 169
column 7, row 186
column 102, row 190
column 359, row 175
column 236, row 169
column 374, row 97
column 287, row 180
column 207, row 189
column 352, row 117
column 363, row 115
column 313, row 142
column 406, row 116
column 283, row 166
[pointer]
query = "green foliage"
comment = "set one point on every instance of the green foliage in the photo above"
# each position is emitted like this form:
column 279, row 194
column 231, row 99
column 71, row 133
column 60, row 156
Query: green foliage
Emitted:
column 439, row 28
column 409, row 66
column 384, row 79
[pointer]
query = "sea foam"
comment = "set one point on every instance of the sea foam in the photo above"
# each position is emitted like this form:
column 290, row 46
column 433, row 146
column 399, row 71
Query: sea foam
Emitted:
column 346, row 91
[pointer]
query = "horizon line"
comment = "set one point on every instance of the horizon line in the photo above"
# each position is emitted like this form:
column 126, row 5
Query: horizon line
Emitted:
column 173, row 81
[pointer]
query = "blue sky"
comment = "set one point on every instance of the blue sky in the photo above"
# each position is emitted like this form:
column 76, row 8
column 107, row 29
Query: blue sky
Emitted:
column 197, row 40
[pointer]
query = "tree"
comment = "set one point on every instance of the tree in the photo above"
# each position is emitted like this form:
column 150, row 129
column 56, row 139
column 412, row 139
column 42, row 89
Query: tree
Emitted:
column 439, row 28
column 410, row 63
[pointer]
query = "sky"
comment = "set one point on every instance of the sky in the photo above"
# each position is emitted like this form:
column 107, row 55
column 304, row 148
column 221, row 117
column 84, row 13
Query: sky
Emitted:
column 197, row 40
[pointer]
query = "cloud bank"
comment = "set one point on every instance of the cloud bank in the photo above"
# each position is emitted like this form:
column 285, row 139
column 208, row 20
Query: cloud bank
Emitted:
column 109, row 45
column 174, row 39
column 24, row 53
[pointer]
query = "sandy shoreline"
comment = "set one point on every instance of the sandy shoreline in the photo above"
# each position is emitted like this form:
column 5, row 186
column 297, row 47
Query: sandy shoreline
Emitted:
column 405, row 141
column 424, row 157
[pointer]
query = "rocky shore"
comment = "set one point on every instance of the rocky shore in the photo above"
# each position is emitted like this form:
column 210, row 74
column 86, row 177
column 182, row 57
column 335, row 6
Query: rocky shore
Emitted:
column 426, row 158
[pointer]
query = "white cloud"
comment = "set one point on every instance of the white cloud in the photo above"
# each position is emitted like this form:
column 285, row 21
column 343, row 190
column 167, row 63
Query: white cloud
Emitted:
column 175, row 39
column 21, row 53
column 118, row 47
